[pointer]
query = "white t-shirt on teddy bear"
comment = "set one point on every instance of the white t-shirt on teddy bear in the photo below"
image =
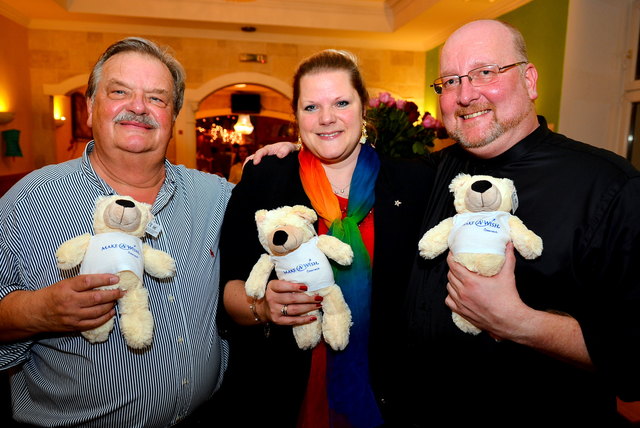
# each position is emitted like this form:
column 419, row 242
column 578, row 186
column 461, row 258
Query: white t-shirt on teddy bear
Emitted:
column 306, row 265
column 113, row 252
column 483, row 232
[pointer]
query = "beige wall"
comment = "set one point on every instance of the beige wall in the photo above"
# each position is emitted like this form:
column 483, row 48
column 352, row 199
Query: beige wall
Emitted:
column 55, row 56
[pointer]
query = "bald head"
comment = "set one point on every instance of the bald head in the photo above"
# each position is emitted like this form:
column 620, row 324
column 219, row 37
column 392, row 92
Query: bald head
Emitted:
column 487, row 34
column 488, row 118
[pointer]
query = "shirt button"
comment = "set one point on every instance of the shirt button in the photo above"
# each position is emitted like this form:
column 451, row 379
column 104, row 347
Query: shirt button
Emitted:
column 171, row 298
column 180, row 339
column 185, row 382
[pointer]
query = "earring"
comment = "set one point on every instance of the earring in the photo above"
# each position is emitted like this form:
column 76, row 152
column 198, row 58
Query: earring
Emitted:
column 298, row 145
column 363, row 134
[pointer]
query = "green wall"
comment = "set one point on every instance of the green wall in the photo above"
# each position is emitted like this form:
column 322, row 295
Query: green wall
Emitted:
column 543, row 24
column 432, row 70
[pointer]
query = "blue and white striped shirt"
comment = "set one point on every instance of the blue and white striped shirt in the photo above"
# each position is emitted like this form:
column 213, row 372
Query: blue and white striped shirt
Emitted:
column 63, row 380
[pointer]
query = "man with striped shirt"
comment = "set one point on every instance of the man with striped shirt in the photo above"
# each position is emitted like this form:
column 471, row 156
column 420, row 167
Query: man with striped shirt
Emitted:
column 57, row 377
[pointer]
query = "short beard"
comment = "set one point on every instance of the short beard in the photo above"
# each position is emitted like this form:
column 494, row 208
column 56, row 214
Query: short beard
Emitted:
column 497, row 129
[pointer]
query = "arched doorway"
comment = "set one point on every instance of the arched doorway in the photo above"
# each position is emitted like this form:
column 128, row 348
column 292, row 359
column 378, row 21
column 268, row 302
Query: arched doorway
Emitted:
column 185, row 148
column 243, row 115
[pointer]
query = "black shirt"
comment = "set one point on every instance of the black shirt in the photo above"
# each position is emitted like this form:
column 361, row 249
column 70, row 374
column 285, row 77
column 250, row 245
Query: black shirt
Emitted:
column 585, row 204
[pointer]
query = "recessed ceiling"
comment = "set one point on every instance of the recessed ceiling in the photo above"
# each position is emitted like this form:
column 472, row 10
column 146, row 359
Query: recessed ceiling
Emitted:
column 415, row 25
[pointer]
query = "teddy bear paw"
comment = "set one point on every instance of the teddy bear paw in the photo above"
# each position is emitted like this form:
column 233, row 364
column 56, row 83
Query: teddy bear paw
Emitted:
column 254, row 289
column 137, row 329
column 308, row 335
column 464, row 325
column 99, row 334
column 335, row 329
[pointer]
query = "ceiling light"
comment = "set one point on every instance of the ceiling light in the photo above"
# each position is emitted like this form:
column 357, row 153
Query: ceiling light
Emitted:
column 243, row 125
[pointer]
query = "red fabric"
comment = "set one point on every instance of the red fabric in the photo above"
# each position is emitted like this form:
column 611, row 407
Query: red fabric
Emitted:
column 315, row 407
column 314, row 412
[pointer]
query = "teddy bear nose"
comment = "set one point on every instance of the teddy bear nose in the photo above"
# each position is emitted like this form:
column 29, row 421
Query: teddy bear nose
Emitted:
column 481, row 186
column 125, row 203
column 280, row 237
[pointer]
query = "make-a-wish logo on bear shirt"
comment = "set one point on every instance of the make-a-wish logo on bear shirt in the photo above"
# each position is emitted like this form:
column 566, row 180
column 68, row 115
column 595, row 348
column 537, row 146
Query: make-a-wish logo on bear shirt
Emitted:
column 113, row 252
column 309, row 266
column 131, row 249
column 486, row 224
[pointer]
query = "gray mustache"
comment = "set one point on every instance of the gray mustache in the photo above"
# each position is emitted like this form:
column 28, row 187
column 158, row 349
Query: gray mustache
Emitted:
column 127, row 116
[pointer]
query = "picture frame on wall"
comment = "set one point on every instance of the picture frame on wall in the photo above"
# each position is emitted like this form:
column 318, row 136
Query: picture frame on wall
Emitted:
column 81, row 131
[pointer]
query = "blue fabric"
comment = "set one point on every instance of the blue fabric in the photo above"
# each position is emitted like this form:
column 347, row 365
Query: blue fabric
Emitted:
column 349, row 388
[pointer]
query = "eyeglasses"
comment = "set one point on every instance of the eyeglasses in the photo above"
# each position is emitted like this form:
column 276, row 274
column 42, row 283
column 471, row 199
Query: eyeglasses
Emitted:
column 480, row 76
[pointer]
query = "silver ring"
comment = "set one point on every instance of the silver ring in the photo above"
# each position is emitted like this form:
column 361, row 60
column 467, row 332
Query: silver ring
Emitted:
column 283, row 311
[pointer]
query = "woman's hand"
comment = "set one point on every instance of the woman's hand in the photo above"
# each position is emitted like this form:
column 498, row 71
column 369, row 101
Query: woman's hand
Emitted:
column 287, row 303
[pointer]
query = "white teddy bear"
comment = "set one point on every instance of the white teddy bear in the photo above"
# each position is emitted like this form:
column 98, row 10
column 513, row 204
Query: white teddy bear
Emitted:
column 119, row 222
column 298, row 254
column 478, row 234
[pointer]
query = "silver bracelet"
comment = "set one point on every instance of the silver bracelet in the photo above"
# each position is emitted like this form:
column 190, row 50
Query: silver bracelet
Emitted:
column 252, row 308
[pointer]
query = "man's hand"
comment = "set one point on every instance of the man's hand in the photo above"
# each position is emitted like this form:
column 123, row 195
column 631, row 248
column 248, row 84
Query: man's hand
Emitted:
column 493, row 304
column 490, row 303
column 72, row 304
column 280, row 149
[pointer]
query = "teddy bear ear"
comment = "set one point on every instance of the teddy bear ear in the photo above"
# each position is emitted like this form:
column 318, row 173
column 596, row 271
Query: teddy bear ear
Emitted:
column 143, row 205
column 100, row 198
column 510, row 187
column 459, row 181
column 510, row 183
column 260, row 215
column 145, row 210
column 305, row 212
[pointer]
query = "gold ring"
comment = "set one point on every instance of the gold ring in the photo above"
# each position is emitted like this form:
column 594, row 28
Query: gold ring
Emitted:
column 283, row 311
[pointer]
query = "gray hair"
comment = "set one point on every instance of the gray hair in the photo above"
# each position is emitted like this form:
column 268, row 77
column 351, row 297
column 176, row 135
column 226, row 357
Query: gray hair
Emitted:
column 519, row 44
column 145, row 47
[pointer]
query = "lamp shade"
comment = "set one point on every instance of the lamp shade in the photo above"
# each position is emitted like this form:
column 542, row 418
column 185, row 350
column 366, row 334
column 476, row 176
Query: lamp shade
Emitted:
column 11, row 139
column 6, row 116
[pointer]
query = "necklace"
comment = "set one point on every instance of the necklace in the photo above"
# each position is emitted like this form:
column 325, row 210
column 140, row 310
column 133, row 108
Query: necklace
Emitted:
column 339, row 191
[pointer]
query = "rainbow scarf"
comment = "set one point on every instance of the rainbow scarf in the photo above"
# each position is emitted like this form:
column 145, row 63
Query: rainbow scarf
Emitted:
column 349, row 391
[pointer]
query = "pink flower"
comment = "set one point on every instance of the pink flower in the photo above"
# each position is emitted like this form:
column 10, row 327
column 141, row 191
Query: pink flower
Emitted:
column 400, row 104
column 386, row 98
column 374, row 102
column 429, row 121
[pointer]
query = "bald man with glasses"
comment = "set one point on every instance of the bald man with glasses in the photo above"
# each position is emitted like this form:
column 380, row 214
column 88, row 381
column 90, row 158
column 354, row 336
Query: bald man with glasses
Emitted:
column 560, row 334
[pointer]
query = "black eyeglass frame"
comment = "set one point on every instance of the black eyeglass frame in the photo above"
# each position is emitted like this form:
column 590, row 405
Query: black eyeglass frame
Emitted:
column 437, row 87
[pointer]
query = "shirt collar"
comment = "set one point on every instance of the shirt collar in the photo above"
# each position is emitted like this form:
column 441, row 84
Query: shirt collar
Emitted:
column 524, row 146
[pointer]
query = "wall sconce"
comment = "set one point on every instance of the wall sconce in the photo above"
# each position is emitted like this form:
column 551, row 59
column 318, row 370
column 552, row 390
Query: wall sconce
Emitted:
column 60, row 106
column 249, row 57
column 243, row 125
column 6, row 117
